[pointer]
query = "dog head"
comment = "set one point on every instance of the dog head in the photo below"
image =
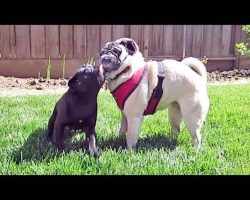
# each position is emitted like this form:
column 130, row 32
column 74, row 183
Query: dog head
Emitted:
column 87, row 78
column 115, row 53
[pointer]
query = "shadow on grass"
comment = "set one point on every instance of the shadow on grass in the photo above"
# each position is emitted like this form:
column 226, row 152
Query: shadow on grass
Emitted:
column 38, row 148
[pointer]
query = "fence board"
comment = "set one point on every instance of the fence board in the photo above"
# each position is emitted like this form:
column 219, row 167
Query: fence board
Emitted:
column 189, row 41
column 119, row 31
column 12, row 41
column 168, row 32
column 79, row 41
column 146, row 30
column 105, row 35
column 52, row 41
column 4, row 41
column 92, row 49
column 225, row 40
column 37, row 34
column 216, row 40
column 178, row 40
column 207, row 40
column 66, row 41
column 156, row 41
column 137, row 34
column 197, row 40
column 22, row 41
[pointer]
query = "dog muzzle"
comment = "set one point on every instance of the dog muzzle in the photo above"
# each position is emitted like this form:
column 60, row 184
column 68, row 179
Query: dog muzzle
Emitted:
column 110, row 57
column 110, row 63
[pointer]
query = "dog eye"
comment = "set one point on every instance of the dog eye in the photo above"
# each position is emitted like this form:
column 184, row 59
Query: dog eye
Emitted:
column 117, row 51
column 102, row 52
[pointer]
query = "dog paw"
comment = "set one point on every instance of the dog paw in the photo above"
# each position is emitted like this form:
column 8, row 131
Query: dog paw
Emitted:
column 95, row 154
column 48, row 137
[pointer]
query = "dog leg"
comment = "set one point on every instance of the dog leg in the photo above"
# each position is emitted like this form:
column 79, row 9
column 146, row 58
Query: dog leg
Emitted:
column 123, row 126
column 51, row 124
column 175, row 118
column 194, row 115
column 91, row 137
column 58, row 135
column 134, row 124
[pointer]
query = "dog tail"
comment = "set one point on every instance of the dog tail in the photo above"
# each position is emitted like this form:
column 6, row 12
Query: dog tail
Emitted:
column 197, row 66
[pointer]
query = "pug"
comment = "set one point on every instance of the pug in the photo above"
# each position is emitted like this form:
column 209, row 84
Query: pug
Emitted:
column 142, row 88
column 77, row 108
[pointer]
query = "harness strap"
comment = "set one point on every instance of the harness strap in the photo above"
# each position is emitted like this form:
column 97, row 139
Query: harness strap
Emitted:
column 157, row 92
column 123, row 91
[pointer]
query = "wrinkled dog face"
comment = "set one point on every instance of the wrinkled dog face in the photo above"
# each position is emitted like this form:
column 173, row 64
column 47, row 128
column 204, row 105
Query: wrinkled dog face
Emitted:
column 115, row 53
column 85, row 78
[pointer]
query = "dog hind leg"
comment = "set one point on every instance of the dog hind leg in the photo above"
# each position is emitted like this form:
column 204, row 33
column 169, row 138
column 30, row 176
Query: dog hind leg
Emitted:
column 51, row 124
column 175, row 118
column 58, row 135
column 194, row 115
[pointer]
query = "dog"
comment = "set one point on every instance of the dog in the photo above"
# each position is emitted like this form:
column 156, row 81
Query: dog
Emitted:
column 77, row 108
column 144, row 87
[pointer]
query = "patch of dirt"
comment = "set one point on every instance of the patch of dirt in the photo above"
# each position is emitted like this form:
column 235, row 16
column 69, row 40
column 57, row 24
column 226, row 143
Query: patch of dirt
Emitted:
column 11, row 86
column 232, row 75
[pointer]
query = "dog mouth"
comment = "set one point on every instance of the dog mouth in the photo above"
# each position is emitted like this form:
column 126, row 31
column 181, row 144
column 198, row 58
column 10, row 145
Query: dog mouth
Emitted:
column 100, row 75
column 110, row 63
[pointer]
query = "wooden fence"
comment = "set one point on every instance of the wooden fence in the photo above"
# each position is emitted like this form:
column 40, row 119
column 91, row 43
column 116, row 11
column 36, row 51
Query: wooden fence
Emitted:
column 24, row 49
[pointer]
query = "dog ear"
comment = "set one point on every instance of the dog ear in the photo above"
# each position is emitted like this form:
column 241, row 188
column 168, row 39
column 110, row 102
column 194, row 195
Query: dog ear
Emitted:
column 72, row 81
column 129, row 44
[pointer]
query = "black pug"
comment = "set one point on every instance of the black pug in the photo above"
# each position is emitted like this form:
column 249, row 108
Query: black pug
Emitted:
column 77, row 108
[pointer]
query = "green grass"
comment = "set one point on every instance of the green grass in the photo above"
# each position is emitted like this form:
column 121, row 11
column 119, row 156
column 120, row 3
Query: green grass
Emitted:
column 226, row 139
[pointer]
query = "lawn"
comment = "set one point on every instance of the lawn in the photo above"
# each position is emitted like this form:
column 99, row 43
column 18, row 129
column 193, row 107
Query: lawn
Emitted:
column 226, row 139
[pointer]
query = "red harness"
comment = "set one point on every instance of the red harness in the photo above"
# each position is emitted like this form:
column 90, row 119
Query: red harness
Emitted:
column 123, row 91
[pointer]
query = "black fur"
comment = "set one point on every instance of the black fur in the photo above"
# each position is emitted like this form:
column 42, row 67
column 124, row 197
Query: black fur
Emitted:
column 77, row 108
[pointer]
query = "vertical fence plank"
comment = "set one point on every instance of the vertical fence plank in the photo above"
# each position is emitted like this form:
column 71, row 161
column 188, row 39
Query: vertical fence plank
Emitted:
column 237, row 39
column 197, row 40
column 93, row 41
column 119, row 31
column 216, row 41
column 146, row 30
column 4, row 41
column 168, row 40
column 66, row 41
column 52, row 41
column 79, row 41
column 189, row 40
column 137, row 34
column 156, row 41
column 37, row 34
column 22, row 41
column 105, row 35
column 207, row 41
column 178, row 40
column 12, row 41
column 225, row 40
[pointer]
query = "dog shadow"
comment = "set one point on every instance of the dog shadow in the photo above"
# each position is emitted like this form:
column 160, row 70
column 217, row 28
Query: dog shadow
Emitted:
column 149, row 143
column 35, row 148
column 38, row 148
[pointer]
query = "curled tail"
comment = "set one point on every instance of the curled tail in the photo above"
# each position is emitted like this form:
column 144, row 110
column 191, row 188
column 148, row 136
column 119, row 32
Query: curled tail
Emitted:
column 197, row 66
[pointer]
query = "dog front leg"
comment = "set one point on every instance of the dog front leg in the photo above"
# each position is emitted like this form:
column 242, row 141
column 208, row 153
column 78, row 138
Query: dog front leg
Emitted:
column 123, row 126
column 91, row 137
column 134, row 124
